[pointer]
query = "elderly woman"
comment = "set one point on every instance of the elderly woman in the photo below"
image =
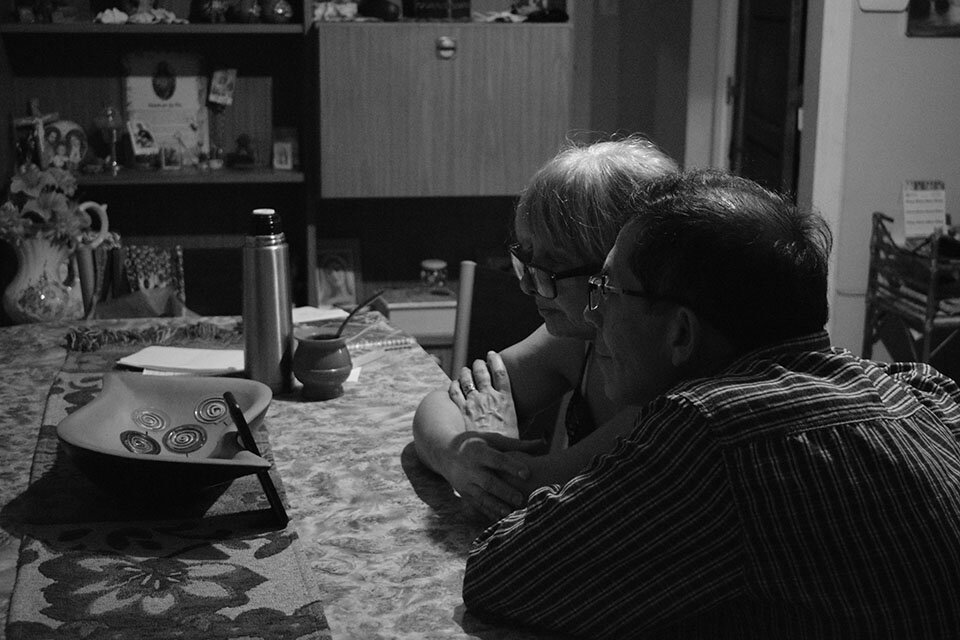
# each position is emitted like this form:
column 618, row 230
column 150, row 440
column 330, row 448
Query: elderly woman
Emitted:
column 566, row 221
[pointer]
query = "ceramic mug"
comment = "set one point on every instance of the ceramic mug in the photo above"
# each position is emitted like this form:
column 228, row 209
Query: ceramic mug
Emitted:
column 84, row 253
column 433, row 273
column 100, row 211
column 322, row 364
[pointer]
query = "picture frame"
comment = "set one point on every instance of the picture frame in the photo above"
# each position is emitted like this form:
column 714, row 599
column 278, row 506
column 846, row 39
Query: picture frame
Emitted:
column 142, row 140
column 222, row 85
column 283, row 155
column 933, row 19
column 338, row 271
column 170, row 157
column 167, row 92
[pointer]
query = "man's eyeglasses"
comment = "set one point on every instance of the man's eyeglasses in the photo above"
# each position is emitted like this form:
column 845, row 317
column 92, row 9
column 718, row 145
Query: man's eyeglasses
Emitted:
column 599, row 286
column 544, row 281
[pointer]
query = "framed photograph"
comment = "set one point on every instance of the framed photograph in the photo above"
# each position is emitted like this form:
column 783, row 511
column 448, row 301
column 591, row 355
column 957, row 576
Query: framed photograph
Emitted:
column 166, row 91
column 283, row 155
column 338, row 271
column 170, row 157
column 933, row 18
column 141, row 139
column 222, row 84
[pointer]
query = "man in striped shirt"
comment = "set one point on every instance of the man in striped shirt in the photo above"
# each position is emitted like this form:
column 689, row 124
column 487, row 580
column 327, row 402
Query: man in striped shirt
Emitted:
column 772, row 486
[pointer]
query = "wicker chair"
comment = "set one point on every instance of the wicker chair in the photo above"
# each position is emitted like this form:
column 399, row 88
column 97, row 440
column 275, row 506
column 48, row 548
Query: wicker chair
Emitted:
column 915, row 290
column 134, row 280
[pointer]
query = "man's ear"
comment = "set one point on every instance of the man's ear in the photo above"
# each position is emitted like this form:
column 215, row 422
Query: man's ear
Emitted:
column 686, row 333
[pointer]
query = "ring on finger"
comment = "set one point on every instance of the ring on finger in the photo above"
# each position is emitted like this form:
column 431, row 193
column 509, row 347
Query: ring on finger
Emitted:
column 468, row 389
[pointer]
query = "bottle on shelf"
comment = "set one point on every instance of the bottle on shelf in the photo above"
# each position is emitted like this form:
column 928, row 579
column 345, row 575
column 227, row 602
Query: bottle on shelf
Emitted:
column 267, row 308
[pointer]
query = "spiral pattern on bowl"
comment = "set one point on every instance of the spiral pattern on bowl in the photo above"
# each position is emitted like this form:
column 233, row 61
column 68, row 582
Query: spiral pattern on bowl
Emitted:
column 186, row 438
column 151, row 418
column 137, row 442
column 212, row 409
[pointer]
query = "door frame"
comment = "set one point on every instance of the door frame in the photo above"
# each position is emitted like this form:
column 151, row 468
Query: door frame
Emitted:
column 726, row 75
column 820, row 178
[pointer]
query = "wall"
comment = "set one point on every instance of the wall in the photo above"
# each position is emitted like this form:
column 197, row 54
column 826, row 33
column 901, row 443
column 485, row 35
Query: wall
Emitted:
column 631, row 69
column 654, row 54
column 712, row 60
column 902, row 103
column 704, row 72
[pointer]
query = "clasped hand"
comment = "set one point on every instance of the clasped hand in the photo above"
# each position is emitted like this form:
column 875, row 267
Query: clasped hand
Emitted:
column 485, row 468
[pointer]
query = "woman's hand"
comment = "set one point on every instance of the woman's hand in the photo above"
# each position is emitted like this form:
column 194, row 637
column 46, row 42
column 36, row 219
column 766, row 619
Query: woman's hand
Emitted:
column 483, row 395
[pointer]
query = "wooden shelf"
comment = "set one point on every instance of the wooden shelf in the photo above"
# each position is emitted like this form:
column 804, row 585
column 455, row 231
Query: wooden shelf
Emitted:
column 135, row 177
column 85, row 28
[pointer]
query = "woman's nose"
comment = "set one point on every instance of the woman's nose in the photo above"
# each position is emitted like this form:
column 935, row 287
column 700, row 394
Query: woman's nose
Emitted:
column 527, row 285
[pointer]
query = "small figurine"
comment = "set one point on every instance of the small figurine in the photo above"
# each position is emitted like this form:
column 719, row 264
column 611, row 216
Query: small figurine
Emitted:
column 30, row 136
column 214, row 11
column 277, row 11
column 243, row 157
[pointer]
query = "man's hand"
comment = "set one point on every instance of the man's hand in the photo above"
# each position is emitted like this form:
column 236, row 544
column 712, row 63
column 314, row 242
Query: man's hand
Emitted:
column 487, row 477
column 483, row 395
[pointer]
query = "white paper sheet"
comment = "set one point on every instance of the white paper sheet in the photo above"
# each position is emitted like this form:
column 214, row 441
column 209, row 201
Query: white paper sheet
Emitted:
column 182, row 359
column 924, row 207
column 317, row 314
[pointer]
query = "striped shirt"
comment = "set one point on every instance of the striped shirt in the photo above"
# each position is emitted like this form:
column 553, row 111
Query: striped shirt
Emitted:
column 801, row 493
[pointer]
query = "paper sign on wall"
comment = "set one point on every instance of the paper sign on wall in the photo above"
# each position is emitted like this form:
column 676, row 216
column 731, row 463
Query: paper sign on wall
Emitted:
column 166, row 92
column 924, row 207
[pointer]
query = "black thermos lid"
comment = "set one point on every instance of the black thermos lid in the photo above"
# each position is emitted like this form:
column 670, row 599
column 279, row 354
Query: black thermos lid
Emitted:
column 265, row 222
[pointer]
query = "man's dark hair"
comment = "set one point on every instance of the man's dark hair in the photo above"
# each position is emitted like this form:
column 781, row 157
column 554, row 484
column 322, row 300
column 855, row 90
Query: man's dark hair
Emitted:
column 745, row 259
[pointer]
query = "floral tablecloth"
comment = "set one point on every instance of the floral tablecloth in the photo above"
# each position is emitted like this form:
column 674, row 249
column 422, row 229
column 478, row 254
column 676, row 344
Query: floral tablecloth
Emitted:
column 383, row 538
column 92, row 565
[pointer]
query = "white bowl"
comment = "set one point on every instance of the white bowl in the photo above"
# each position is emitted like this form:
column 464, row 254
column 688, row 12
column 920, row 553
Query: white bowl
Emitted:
column 160, row 435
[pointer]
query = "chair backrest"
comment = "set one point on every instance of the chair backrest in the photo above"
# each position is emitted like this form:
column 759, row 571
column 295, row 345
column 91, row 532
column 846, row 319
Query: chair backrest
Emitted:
column 916, row 287
column 150, row 267
column 492, row 313
column 134, row 280
column 929, row 271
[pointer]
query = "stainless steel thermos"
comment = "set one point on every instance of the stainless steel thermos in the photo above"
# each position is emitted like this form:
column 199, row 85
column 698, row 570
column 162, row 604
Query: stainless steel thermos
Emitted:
column 267, row 311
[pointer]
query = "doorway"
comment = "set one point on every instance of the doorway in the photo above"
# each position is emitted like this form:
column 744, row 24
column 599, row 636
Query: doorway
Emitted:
column 768, row 92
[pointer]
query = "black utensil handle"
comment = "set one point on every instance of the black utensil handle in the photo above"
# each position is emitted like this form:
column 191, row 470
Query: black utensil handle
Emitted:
column 343, row 325
column 246, row 436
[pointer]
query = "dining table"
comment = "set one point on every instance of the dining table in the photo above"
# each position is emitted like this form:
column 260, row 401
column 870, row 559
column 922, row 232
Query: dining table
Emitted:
column 376, row 542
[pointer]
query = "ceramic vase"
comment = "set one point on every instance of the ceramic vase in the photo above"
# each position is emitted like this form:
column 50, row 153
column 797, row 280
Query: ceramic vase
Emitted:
column 322, row 364
column 46, row 286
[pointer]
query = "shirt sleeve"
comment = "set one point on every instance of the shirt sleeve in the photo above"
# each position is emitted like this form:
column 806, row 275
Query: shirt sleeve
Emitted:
column 934, row 390
column 645, row 536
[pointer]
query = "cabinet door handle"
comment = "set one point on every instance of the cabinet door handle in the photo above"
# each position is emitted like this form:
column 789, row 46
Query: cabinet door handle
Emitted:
column 446, row 48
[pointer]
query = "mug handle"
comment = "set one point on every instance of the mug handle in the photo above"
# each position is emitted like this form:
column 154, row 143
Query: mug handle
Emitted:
column 101, row 211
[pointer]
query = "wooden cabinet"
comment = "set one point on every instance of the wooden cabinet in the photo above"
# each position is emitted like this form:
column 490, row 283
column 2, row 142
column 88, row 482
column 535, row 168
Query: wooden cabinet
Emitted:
column 433, row 110
column 440, row 109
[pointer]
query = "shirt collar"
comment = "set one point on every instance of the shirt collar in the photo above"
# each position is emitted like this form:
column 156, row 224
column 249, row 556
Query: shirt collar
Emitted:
column 817, row 341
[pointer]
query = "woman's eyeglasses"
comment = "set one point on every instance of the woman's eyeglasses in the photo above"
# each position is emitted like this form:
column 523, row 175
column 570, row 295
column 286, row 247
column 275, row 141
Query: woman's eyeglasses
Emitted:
column 599, row 287
column 544, row 281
